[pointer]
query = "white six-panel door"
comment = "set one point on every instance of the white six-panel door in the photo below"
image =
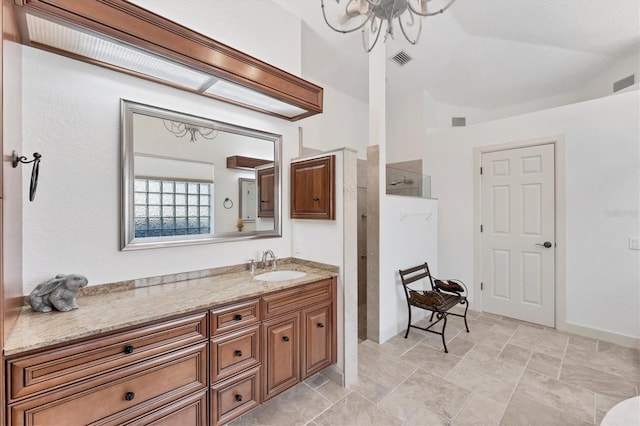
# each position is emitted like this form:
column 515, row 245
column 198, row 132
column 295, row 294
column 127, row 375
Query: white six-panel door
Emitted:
column 518, row 218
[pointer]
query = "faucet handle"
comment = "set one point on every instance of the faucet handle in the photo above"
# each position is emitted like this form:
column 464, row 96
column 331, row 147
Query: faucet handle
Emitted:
column 273, row 263
column 252, row 266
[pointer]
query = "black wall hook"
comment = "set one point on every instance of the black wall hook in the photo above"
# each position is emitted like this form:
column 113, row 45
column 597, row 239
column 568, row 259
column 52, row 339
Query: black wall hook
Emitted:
column 16, row 159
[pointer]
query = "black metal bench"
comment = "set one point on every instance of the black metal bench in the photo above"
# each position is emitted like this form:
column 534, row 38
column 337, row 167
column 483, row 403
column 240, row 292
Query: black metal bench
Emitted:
column 443, row 296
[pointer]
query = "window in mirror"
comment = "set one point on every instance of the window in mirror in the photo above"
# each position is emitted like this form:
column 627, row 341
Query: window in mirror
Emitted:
column 177, row 190
column 164, row 208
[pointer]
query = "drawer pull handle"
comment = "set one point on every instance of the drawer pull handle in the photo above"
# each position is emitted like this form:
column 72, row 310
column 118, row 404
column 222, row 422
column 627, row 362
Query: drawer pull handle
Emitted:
column 128, row 349
column 316, row 199
column 129, row 396
column 320, row 325
column 239, row 398
column 238, row 353
column 238, row 317
column 285, row 338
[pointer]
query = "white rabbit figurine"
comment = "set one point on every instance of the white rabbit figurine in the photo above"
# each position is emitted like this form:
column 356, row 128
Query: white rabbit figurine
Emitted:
column 59, row 292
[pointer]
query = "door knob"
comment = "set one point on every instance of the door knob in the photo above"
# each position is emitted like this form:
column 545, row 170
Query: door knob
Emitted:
column 546, row 244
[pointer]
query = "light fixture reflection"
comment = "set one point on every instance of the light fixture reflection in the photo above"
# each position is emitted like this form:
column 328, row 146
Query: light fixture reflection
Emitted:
column 180, row 130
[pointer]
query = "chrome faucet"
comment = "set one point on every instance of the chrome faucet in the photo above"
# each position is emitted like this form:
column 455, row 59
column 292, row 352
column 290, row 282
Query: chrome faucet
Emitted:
column 264, row 259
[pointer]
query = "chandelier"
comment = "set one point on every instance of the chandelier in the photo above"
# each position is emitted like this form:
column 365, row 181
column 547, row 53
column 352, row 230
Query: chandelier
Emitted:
column 180, row 130
column 376, row 12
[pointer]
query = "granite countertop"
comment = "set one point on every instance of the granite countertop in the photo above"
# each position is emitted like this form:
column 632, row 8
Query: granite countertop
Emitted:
column 120, row 308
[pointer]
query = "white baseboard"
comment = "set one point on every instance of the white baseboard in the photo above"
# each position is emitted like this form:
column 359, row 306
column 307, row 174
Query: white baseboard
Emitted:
column 607, row 336
column 593, row 333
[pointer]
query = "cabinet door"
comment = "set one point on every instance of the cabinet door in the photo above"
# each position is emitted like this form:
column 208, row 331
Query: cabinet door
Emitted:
column 281, row 355
column 316, row 340
column 266, row 202
column 313, row 189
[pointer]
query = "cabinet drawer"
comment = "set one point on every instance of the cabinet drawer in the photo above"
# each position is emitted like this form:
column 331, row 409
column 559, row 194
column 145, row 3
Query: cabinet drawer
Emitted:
column 119, row 397
column 298, row 298
column 55, row 368
column 191, row 410
column 234, row 352
column 233, row 317
column 235, row 396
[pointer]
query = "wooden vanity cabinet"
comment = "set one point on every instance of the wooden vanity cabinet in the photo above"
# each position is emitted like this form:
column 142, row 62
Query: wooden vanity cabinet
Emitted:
column 235, row 360
column 201, row 368
column 313, row 188
column 298, row 334
column 113, row 379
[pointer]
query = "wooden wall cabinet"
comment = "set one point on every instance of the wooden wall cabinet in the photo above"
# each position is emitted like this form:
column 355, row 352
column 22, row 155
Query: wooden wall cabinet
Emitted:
column 313, row 189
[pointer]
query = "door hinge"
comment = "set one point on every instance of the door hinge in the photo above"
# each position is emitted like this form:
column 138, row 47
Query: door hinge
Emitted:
column 481, row 286
column 480, row 228
column 480, row 170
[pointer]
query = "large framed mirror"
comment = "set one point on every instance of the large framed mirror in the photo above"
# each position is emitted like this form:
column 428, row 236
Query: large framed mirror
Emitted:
column 187, row 179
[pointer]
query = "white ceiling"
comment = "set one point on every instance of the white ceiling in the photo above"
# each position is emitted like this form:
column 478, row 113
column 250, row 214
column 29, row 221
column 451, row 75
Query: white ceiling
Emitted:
column 481, row 53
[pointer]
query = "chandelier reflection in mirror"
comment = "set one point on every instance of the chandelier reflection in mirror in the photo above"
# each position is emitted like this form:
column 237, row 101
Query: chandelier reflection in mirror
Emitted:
column 409, row 15
column 180, row 130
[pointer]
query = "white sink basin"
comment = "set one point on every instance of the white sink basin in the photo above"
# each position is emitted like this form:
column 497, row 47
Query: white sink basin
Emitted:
column 280, row 275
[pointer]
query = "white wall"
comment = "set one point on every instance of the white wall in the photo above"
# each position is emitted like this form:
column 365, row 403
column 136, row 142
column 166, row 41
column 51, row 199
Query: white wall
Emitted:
column 14, row 191
column 602, row 199
column 73, row 119
column 404, row 242
column 438, row 114
column 602, row 84
column 348, row 118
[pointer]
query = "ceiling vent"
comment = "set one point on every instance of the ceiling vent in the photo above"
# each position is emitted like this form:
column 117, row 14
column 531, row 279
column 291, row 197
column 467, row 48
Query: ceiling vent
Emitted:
column 401, row 58
column 458, row 121
column 624, row 83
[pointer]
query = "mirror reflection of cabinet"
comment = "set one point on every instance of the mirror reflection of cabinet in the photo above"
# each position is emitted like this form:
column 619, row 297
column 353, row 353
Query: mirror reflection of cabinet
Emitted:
column 248, row 199
column 313, row 188
column 266, row 180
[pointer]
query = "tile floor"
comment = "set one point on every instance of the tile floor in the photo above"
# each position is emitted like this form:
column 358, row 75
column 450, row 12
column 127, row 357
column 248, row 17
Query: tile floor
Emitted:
column 504, row 372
